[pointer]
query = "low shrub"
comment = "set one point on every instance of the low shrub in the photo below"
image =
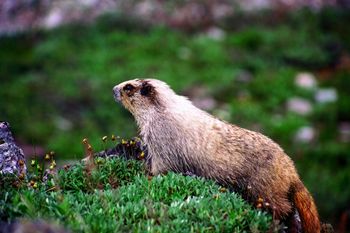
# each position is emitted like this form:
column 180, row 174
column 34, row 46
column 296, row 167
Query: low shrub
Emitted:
column 116, row 195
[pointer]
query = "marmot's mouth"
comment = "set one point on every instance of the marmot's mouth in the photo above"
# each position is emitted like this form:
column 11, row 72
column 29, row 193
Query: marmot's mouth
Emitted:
column 116, row 94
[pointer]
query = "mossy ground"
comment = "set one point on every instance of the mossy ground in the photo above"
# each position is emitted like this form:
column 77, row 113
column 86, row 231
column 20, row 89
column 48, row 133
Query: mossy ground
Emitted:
column 116, row 196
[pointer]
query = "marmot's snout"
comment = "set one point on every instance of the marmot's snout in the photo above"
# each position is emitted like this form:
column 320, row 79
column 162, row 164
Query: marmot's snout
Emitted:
column 116, row 94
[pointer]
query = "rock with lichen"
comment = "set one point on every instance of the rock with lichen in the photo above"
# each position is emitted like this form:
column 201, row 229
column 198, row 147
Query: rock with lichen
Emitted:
column 11, row 156
column 29, row 226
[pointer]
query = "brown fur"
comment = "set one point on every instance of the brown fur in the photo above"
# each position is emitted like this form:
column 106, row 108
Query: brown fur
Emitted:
column 306, row 207
column 185, row 139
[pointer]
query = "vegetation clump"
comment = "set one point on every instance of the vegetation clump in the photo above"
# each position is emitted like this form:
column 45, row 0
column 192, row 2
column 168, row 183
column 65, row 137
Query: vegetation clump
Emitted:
column 117, row 195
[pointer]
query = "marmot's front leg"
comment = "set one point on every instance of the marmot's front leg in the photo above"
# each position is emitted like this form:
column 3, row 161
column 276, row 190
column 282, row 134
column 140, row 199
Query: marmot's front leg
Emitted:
column 156, row 166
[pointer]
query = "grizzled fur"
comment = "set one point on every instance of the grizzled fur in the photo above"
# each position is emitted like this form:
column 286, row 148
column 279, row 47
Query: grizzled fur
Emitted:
column 182, row 138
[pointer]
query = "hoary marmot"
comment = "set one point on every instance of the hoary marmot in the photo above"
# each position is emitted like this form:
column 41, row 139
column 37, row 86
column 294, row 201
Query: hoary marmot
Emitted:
column 182, row 138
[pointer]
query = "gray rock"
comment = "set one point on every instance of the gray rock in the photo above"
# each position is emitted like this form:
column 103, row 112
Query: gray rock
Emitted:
column 221, row 10
column 305, row 134
column 299, row 105
column 147, row 8
column 11, row 156
column 205, row 103
column 306, row 81
column 200, row 97
column 344, row 131
column 326, row 95
column 53, row 19
column 30, row 226
column 216, row 33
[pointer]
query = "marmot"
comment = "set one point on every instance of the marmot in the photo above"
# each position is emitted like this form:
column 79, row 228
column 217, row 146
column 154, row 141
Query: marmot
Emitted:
column 182, row 138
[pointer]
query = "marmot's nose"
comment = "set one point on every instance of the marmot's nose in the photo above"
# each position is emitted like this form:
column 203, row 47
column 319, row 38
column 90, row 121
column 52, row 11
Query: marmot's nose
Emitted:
column 116, row 94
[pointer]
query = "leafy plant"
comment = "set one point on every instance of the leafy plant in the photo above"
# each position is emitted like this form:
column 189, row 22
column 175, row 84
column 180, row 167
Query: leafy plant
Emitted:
column 92, row 202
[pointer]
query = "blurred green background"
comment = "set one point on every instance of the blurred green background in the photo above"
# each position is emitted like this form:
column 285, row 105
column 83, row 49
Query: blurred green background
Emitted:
column 285, row 75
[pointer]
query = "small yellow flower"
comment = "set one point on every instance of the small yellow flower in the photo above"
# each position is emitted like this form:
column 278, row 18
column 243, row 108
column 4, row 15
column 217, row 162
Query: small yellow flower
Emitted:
column 52, row 153
column 142, row 155
column 47, row 157
column 104, row 138
column 35, row 185
column 85, row 141
column 33, row 162
column 52, row 167
column 39, row 167
column 89, row 147
column 113, row 137
column 99, row 161
column 222, row 189
column 124, row 142
column 53, row 163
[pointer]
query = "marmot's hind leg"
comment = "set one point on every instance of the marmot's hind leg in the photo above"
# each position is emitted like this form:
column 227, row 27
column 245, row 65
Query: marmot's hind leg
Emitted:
column 293, row 223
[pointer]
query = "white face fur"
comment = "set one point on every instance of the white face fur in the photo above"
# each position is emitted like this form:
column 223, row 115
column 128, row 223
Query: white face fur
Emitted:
column 139, row 96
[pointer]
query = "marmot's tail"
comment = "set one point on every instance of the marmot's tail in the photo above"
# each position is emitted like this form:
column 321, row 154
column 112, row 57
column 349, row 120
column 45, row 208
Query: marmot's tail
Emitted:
column 307, row 209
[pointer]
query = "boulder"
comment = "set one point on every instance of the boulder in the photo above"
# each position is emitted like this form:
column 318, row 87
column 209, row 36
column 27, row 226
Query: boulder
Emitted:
column 11, row 156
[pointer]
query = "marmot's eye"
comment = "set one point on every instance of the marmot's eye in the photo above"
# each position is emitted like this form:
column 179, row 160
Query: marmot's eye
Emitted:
column 146, row 89
column 128, row 87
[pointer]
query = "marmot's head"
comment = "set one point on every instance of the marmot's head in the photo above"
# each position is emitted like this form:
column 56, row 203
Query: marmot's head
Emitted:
column 141, row 95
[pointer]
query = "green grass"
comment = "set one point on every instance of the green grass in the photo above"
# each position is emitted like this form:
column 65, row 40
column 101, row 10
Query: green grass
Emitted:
column 117, row 196
column 56, row 86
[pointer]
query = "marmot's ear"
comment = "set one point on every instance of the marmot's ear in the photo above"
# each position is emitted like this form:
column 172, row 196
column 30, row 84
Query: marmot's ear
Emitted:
column 146, row 89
